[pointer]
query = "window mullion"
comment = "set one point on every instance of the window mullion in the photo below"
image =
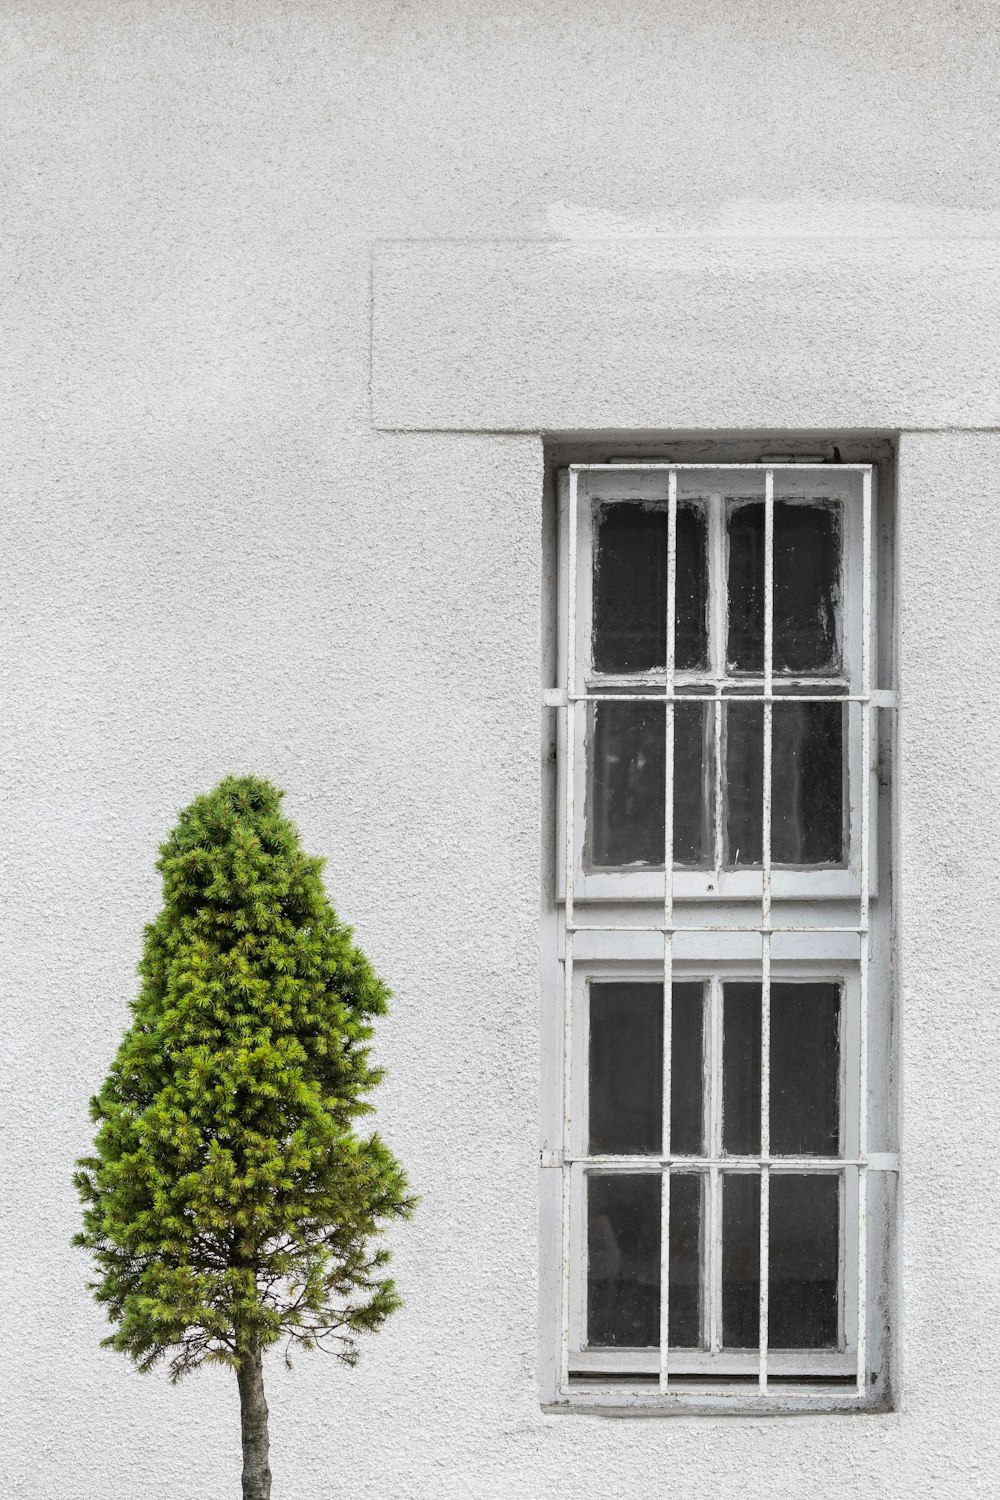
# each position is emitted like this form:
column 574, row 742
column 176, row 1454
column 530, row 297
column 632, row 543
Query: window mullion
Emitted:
column 717, row 595
column 765, row 917
column 714, row 1277
column 668, row 918
column 863, row 924
column 717, row 629
column 570, row 879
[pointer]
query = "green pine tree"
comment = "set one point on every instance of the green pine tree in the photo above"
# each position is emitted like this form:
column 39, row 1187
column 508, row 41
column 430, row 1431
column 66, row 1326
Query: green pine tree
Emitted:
column 231, row 1201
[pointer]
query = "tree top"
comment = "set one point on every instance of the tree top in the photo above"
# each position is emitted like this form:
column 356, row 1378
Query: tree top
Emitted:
column 231, row 1200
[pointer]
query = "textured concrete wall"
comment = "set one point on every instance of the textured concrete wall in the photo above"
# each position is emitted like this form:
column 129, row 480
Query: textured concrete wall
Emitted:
column 213, row 560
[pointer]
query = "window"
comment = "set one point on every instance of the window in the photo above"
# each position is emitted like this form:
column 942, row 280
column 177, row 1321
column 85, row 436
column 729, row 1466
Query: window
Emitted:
column 717, row 1168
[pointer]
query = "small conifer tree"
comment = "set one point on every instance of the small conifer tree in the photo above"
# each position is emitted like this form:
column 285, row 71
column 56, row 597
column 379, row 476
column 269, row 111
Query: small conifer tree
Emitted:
column 230, row 1202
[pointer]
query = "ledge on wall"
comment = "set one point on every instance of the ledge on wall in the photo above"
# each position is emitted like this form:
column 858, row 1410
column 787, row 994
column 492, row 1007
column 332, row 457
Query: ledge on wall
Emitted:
column 673, row 334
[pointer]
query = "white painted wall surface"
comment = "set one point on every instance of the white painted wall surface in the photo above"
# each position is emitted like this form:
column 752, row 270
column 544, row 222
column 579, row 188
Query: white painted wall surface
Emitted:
column 214, row 560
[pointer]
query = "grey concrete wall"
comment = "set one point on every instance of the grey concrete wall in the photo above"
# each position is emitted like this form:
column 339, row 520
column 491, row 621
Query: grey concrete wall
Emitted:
column 213, row 559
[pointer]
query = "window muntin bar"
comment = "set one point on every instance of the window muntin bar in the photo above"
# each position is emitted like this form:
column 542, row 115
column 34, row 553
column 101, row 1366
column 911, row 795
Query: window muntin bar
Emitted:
column 754, row 467
column 691, row 927
column 712, row 1165
column 715, row 1126
column 797, row 1164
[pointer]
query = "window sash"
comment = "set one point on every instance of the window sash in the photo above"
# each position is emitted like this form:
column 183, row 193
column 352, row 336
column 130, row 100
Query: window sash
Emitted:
column 596, row 484
column 713, row 1164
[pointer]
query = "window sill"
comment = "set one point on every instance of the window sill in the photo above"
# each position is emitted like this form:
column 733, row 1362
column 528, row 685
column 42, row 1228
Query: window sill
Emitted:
column 627, row 1400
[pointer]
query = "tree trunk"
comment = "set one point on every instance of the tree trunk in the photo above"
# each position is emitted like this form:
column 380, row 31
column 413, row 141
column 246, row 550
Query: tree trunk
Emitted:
column 253, row 1425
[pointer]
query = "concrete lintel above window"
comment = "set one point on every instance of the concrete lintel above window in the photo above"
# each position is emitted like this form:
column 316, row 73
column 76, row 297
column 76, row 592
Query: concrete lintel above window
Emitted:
column 539, row 335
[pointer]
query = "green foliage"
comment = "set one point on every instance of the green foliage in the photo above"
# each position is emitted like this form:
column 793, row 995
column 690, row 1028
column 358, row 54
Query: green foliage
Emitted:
column 230, row 1201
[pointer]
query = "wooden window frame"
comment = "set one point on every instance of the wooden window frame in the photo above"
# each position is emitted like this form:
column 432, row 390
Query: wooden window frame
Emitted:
column 715, row 924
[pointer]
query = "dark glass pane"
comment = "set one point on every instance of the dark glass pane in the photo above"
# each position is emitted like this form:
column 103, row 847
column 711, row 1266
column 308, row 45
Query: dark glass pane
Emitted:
column 685, row 1258
column 805, row 1069
column 804, row 1236
column 806, row 587
column 807, row 795
column 687, row 1127
column 745, row 578
column 630, row 588
column 807, row 783
column 627, row 791
column 623, row 1260
column 743, row 732
column 740, row 1260
column 692, row 726
column 626, row 1068
column 741, row 1068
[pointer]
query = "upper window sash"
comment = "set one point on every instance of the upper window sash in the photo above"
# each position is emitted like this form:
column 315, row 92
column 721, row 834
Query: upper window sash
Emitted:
column 718, row 489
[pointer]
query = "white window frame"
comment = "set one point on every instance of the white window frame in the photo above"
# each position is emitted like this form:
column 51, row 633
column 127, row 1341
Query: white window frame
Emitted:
column 716, row 924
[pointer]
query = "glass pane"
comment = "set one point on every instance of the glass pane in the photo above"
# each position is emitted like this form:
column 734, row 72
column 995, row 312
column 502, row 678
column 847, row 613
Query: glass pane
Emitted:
column 741, row 1068
column 623, row 1260
column 805, row 1069
column 804, row 1240
column 627, row 792
column 630, row 588
column 685, row 1261
column 687, row 1121
column 807, row 786
column 626, row 1069
column 806, row 587
column 803, row 1243
column 740, row 1260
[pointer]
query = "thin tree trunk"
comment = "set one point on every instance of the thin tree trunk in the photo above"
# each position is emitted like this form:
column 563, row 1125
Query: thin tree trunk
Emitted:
column 253, row 1425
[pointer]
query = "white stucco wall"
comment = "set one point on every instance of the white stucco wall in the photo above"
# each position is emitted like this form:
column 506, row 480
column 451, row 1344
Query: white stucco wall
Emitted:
column 217, row 554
